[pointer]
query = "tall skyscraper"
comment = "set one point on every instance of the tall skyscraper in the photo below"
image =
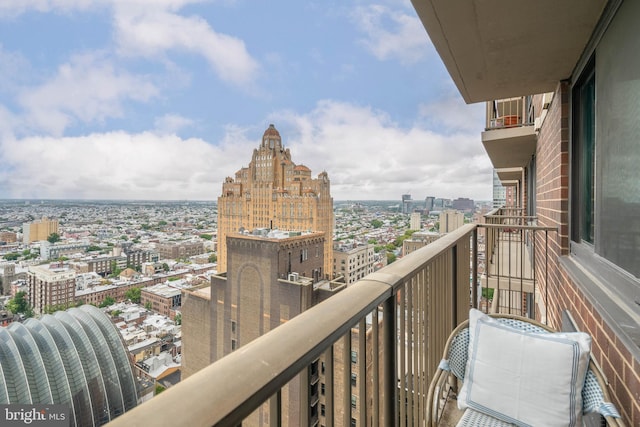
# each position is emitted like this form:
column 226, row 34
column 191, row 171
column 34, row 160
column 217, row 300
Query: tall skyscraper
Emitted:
column 275, row 193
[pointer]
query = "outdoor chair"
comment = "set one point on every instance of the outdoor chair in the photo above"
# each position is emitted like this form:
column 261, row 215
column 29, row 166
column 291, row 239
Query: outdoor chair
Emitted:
column 492, row 394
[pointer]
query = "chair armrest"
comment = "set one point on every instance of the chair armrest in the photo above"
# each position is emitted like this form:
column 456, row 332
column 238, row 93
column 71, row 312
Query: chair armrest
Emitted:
column 439, row 385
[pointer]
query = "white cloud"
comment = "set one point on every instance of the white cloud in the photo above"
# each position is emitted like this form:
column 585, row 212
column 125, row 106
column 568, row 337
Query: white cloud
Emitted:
column 172, row 123
column 117, row 165
column 368, row 156
column 452, row 114
column 150, row 28
column 391, row 33
column 89, row 89
column 152, row 31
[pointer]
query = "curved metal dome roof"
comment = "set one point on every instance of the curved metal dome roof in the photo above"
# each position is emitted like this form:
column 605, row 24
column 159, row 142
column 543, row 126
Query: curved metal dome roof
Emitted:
column 75, row 358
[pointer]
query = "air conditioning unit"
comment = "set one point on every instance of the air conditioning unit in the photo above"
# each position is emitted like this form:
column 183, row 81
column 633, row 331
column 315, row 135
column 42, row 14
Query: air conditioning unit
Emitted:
column 293, row 277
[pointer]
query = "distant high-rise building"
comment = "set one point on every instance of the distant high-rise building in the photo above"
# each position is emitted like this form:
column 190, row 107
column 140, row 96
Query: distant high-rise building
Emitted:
column 415, row 221
column 428, row 203
column 407, row 203
column 38, row 230
column 74, row 358
column 499, row 192
column 273, row 192
column 450, row 220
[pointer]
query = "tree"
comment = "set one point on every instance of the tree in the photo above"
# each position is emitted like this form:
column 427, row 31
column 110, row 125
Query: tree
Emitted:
column 53, row 237
column 93, row 248
column 178, row 319
column 147, row 305
column 107, row 302
column 213, row 258
column 19, row 305
column 115, row 271
column 12, row 256
column 376, row 223
column 165, row 266
column 133, row 295
column 159, row 389
column 390, row 257
column 206, row 236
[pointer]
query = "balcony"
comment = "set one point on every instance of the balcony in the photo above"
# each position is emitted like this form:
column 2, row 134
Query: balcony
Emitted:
column 511, row 279
column 400, row 316
column 509, row 137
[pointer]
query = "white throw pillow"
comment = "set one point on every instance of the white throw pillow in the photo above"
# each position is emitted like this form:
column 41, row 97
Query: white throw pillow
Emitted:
column 525, row 378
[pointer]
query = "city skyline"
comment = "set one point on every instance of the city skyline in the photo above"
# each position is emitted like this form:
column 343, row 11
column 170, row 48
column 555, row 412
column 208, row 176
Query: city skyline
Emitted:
column 160, row 101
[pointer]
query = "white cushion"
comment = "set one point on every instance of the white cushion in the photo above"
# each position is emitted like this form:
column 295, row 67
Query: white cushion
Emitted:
column 522, row 377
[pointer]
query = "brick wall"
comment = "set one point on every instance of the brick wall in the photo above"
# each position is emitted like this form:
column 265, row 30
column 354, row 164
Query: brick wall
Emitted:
column 552, row 156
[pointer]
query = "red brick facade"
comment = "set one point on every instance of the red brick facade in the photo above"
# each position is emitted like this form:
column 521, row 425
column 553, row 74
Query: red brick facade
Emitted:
column 620, row 366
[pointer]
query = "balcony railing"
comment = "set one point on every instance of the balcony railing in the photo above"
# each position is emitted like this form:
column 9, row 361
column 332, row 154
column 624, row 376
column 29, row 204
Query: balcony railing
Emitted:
column 389, row 329
column 517, row 261
column 510, row 112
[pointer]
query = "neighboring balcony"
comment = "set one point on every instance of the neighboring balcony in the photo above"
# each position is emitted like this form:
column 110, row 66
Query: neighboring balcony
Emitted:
column 511, row 279
column 510, row 137
column 387, row 331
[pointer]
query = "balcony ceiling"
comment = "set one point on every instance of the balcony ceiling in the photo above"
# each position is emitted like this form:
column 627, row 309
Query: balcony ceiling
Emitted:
column 510, row 147
column 497, row 49
column 509, row 174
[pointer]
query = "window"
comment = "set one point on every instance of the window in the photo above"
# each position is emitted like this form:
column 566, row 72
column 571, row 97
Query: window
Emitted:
column 605, row 177
column 322, row 390
column 354, row 379
column 584, row 156
column 354, row 356
column 353, row 401
column 233, row 345
column 322, row 410
column 606, row 149
column 233, row 326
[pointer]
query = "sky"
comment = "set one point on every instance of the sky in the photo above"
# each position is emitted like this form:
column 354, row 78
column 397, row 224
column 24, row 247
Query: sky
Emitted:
column 163, row 99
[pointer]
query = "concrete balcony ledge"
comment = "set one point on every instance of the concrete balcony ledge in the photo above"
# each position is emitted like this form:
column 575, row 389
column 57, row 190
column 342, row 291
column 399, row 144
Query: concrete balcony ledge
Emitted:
column 510, row 147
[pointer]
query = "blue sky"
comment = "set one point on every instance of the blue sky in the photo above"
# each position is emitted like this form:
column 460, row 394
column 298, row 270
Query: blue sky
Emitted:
column 162, row 99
